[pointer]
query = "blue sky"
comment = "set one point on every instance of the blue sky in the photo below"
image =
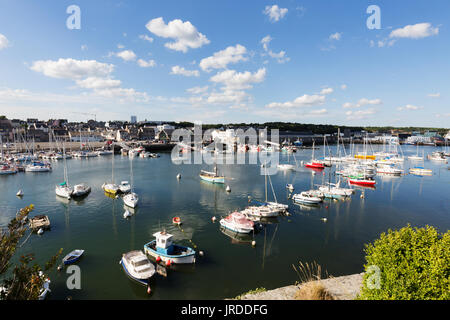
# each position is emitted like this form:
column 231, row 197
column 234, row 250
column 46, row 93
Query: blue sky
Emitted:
column 227, row 61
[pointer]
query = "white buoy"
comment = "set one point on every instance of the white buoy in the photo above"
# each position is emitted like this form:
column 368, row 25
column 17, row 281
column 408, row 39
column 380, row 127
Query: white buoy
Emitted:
column 213, row 219
column 228, row 189
column 201, row 253
column 40, row 231
column 178, row 176
column 19, row 193
column 324, row 219
column 253, row 243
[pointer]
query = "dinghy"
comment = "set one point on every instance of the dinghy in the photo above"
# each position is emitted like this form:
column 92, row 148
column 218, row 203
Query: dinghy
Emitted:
column 73, row 257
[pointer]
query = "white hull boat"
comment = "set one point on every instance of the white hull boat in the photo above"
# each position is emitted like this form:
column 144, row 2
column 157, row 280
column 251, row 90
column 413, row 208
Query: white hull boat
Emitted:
column 237, row 222
column 81, row 190
column 306, row 198
column 64, row 191
column 131, row 200
column 137, row 266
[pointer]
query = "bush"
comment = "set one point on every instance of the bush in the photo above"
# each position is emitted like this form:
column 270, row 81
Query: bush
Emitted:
column 414, row 264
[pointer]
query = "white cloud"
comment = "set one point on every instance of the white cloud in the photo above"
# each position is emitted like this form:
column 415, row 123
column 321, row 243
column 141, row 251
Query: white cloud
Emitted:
column 185, row 34
column 72, row 69
column 197, row 90
column 362, row 102
column 146, row 38
column 326, row 91
column 146, row 64
column 4, row 43
column 182, row 71
column 435, row 95
column 239, row 80
column 84, row 47
column 416, row 31
column 343, row 87
column 281, row 56
column 120, row 46
column 98, row 83
column 221, row 59
column 302, row 101
column 335, row 36
column 359, row 114
column 275, row 13
column 409, row 107
column 127, row 55
column 123, row 94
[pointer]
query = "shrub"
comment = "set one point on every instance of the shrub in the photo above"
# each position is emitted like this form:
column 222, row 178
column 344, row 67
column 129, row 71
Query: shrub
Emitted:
column 414, row 264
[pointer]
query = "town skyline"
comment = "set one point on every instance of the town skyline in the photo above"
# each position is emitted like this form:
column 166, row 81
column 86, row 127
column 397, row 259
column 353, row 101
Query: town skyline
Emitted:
column 286, row 61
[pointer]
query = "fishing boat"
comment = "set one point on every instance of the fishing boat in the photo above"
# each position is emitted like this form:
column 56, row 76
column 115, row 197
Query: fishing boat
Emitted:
column 237, row 222
column 73, row 257
column 163, row 249
column 213, row 177
column 306, row 198
column 137, row 266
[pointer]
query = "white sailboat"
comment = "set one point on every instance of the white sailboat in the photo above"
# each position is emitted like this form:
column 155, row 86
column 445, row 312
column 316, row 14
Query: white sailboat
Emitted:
column 131, row 199
column 64, row 190
column 111, row 188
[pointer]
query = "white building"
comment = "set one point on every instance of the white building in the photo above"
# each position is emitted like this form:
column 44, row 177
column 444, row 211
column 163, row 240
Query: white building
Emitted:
column 227, row 137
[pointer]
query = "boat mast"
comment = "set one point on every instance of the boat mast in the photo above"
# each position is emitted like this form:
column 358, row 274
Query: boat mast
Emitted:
column 66, row 176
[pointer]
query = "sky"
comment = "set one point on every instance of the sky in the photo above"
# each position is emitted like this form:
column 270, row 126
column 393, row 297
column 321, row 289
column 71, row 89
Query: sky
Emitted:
column 313, row 61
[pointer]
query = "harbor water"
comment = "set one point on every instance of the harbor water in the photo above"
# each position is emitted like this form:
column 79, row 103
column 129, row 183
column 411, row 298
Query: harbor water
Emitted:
column 230, row 264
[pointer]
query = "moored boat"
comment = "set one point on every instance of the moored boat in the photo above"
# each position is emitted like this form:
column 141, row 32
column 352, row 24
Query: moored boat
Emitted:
column 237, row 222
column 137, row 266
column 73, row 257
column 163, row 249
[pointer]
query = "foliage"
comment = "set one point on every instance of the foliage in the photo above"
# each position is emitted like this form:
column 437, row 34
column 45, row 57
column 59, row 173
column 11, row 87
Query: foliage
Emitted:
column 414, row 264
column 26, row 280
column 257, row 290
column 313, row 290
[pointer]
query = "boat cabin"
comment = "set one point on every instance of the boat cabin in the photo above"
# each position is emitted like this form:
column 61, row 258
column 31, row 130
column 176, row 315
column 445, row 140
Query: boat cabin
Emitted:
column 164, row 243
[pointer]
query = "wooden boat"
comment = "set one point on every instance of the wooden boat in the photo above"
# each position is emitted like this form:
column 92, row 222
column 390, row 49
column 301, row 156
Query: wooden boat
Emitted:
column 137, row 266
column 40, row 221
column 163, row 249
column 213, row 177
column 73, row 257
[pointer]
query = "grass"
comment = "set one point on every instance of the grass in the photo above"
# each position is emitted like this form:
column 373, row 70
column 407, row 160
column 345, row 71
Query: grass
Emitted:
column 310, row 286
column 257, row 290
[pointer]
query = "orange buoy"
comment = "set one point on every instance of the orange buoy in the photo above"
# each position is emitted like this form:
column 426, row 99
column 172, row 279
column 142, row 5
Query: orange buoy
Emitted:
column 176, row 220
column 168, row 263
column 158, row 259
column 149, row 290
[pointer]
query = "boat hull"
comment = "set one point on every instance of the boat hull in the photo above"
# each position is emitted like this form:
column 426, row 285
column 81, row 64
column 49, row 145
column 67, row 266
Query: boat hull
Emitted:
column 177, row 259
column 144, row 282
column 213, row 179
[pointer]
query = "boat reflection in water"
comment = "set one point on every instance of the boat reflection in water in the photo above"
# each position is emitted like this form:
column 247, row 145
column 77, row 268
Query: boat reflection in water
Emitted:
column 236, row 237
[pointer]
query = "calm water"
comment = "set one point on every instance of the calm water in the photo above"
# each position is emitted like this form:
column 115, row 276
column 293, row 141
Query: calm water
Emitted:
column 229, row 266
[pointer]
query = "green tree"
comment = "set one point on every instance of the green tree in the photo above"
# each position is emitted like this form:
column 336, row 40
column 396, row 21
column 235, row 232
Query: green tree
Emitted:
column 414, row 264
column 25, row 281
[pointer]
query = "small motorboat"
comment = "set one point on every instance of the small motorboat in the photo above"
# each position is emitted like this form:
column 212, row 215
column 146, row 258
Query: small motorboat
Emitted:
column 125, row 187
column 137, row 266
column 131, row 200
column 81, row 190
column 238, row 222
column 73, row 257
column 64, row 190
column 163, row 249
column 306, row 198
column 362, row 182
column 110, row 188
